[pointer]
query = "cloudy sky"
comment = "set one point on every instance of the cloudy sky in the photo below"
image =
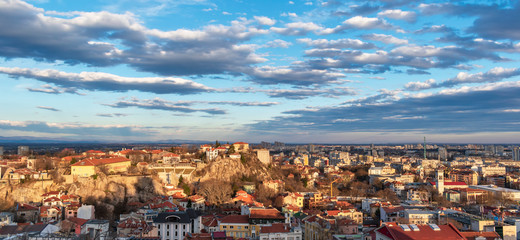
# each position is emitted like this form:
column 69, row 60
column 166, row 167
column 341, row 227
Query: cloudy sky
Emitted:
column 293, row 71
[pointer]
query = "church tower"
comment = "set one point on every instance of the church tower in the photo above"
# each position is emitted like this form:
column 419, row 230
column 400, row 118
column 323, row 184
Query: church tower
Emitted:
column 439, row 180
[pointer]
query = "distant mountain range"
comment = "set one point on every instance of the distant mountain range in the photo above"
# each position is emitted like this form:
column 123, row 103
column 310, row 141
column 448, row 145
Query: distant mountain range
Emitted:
column 28, row 140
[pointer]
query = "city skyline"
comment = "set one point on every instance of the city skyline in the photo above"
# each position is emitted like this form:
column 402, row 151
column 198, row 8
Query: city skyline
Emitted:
column 290, row 71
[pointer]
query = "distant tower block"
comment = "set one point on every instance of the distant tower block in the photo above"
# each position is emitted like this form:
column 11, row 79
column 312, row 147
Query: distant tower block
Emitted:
column 439, row 180
column 263, row 156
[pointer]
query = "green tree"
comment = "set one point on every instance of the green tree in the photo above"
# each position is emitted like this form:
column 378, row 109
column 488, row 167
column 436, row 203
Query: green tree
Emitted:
column 181, row 180
column 187, row 189
column 231, row 149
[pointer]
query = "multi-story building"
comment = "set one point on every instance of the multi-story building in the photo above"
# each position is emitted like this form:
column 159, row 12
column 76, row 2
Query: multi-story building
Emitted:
column 175, row 225
column 236, row 226
column 280, row 231
column 492, row 170
column 470, row 177
column 87, row 167
column 411, row 216
column 263, row 156
column 96, row 229
column 23, row 150
column 211, row 154
column 394, row 231
column 516, row 154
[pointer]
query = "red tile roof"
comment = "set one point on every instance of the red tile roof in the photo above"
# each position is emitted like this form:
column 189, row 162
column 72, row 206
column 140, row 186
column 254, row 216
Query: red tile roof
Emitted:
column 269, row 213
column 235, row 219
column 276, row 228
column 446, row 232
column 487, row 235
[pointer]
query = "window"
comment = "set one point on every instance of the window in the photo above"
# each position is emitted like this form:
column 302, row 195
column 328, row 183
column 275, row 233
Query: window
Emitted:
column 230, row 227
column 183, row 226
column 238, row 227
column 246, row 227
column 224, row 227
column 167, row 233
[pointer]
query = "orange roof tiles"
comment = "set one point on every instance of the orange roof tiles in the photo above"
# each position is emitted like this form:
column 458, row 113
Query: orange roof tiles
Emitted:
column 446, row 232
column 235, row 219
column 269, row 213
column 276, row 228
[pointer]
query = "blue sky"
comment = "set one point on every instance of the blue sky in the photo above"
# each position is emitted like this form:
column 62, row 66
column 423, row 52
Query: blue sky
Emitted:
column 292, row 71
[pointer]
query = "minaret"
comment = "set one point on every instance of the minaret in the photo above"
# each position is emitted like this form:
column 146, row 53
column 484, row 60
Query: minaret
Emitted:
column 439, row 180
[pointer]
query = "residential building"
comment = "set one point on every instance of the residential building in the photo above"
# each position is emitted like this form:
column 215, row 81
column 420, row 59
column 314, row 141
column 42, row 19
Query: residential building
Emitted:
column 96, row 229
column 393, row 231
column 412, row 216
column 470, row 177
column 27, row 212
column 280, row 231
column 236, row 226
column 211, row 154
column 87, row 167
column 175, row 225
column 390, row 213
column 241, row 146
column 516, row 154
column 23, row 150
column 499, row 191
column 263, row 156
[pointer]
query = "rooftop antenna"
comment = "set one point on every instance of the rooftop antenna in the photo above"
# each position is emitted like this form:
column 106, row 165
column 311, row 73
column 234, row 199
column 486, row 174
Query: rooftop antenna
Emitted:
column 425, row 147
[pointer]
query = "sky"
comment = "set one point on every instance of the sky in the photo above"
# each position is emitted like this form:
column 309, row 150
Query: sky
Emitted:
column 273, row 70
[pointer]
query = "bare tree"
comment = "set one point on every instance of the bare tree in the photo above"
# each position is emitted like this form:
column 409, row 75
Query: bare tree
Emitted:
column 215, row 191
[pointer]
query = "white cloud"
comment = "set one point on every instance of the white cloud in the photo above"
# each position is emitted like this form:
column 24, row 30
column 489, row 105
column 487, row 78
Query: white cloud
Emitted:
column 109, row 82
column 399, row 14
column 278, row 43
column 338, row 43
column 297, row 28
column 265, row 20
column 388, row 39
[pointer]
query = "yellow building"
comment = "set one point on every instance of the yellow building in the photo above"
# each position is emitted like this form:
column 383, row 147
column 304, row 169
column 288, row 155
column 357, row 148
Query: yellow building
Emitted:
column 235, row 226
column 87, row 167
column 241, row 146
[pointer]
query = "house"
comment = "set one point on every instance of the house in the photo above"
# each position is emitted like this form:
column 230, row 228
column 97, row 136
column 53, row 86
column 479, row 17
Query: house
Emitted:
column 275, row 185
column 412, row 216
column 87, row 167
column 134, row 226
column 176, row 225
column 96, row 229
column 351, row 214
column 211, row 154
column 210, row 223
column 481, row 235
column 29, row 229
column 73, row 225
column 6, row 218
column 294, row 199
column 241, row 146
column 393, row 231
column 236, row 226
column 50, row 214
column 93, row 153
column 27, row 212
column 280, row 231
column 390, row 213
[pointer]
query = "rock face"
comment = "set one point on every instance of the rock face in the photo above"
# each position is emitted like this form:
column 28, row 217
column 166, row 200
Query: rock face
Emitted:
column 110, row 190
column 227, row 169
